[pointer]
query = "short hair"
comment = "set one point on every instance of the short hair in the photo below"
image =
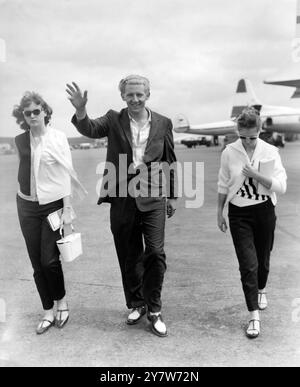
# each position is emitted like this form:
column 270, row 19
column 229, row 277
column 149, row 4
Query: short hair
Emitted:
column 248, row 119
column 28, row 97
column 134, row 80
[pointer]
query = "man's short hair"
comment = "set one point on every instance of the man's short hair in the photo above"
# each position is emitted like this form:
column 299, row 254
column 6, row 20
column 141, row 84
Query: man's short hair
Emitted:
column 248, row 119
column 134, row 80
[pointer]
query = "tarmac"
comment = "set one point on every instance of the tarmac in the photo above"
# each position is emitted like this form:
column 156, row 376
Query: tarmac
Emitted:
column 203, row 302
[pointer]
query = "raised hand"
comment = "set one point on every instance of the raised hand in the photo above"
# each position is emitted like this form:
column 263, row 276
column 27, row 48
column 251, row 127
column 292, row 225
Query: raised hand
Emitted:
column 76, row 97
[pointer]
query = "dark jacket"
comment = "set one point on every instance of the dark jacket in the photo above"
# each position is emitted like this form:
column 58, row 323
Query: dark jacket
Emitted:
column 23, row 146
column 116, row 127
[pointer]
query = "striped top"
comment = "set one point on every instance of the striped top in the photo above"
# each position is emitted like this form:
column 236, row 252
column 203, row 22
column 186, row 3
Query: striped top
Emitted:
column 247, row 195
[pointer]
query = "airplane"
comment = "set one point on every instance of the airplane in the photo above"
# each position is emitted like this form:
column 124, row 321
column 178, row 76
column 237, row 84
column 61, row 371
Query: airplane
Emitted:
column 275, row 119
column 290, row 77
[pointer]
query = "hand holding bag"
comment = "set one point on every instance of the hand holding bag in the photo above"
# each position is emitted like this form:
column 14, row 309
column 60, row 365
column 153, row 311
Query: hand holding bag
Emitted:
column 54, row 219
column 70, row 246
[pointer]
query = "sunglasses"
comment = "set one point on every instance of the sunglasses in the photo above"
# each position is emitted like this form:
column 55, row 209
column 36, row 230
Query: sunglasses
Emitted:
column 248, row 138
column 35, row 112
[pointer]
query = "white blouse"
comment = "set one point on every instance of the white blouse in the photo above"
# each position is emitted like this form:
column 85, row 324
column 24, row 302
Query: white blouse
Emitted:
column 50, row 180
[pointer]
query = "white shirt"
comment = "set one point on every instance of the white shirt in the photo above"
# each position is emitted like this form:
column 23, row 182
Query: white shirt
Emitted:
column 139, row 139
column 50, row 181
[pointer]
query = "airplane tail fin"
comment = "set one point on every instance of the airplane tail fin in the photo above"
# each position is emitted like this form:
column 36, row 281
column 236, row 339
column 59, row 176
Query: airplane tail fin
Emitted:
column 245, row 96
column 181, row 124
column 296, row 93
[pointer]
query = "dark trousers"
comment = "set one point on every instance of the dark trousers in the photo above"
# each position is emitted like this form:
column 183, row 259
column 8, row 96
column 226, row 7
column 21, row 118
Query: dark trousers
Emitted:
column 139, row 241
column 252, row 229
column 42, row 249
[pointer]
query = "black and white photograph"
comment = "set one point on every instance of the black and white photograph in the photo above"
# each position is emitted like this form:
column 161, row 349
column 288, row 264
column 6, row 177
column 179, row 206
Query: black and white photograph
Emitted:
column 150, row 191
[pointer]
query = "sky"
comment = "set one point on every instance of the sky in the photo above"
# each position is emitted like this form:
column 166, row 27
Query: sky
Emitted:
column 193, row 51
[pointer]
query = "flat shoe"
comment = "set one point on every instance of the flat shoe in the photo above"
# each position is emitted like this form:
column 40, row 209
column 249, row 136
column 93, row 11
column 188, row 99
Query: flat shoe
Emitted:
column 41, row 329
column 61, row 322
column 253, row 329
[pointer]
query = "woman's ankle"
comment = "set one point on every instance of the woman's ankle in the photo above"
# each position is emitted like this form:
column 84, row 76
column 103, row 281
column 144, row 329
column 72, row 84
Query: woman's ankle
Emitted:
column 49, row 314
column 62, row 304
column 254, row 315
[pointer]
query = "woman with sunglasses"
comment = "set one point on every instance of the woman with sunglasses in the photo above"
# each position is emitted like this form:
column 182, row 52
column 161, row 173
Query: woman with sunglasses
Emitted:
column 250, row 175
column 45, row 176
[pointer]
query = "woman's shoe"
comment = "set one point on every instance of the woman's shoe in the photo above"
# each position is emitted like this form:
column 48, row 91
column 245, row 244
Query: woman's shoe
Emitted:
column 262, row 301
column 59, row 321
column 253, row 329
column 42, row 327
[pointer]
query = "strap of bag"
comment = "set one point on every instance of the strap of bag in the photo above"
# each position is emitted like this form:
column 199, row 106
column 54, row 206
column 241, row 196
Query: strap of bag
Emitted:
column 61, row 230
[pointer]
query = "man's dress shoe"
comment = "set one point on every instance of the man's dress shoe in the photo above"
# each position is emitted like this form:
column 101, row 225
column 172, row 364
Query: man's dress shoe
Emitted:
column 135, row 315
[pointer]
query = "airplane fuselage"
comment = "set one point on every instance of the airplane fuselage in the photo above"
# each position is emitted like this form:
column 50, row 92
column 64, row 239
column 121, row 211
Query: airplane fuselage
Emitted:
column 282, row 124
column 280, row 119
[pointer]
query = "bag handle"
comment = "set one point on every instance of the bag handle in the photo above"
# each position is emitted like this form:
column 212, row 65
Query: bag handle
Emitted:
column 61, row 230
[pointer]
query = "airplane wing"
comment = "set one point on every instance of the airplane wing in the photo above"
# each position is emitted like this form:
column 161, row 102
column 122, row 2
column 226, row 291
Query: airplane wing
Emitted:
column 278, row 111
column 221, row 128
column 215, row 128
column 290, row 77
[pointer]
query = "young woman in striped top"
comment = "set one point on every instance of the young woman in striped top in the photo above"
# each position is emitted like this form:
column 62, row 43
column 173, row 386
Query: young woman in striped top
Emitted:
column 251, row 195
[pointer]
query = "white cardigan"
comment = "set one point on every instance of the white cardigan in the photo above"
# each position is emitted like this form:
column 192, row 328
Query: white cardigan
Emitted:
column 233, row 160
column 53, row 169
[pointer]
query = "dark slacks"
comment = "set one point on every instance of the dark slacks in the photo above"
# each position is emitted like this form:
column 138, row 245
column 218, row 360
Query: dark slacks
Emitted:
column 42, row 249
column 252, row 229
column 139, row 241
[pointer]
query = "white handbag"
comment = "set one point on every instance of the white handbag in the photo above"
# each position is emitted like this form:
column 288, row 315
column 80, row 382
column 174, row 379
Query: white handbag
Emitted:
column 70, row 246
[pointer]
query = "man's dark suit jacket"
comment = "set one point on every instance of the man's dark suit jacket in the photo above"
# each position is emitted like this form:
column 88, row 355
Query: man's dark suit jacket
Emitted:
column 116, row 127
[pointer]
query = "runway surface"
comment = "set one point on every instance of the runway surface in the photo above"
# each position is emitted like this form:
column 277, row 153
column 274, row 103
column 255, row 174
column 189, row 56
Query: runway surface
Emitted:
column 203, row 303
